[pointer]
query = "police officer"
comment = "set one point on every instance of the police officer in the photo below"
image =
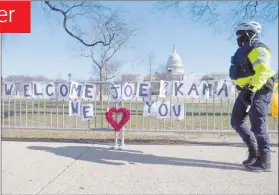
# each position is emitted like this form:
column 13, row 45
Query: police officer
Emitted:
column 251, row 72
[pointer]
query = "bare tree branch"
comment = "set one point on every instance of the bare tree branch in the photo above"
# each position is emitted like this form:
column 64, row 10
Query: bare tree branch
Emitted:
column 115, row 49
column 231, row 13
column 161, row 73
column 92, row 57
column 112, row 69
column 66, row 10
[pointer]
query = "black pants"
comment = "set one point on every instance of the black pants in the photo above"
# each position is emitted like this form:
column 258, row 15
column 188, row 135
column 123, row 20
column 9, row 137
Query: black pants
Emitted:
column 258, row 116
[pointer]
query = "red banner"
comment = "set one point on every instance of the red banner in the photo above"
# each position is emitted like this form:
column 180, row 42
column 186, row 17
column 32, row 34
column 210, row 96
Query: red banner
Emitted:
column 15, row 16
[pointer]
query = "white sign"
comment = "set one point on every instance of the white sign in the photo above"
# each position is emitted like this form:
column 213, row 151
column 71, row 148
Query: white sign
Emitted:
column 87, row 112
column 89, row 91
column 127, row 91
column 49, row 90
column 115, row 93
column 75, row 90
column 27, row 90
column 165, row 89
column 193, row 89
column 9, row 89
column 143, row 89
column 178, row 89
column 74, row 108
column 63, row 90
column 37, row 90
column 150, row 108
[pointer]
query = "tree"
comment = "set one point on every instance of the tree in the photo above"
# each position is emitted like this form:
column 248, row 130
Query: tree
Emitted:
column 162, row 73
column 101, row 36
column 103, row 66
column 231, row 13
column 104, row 63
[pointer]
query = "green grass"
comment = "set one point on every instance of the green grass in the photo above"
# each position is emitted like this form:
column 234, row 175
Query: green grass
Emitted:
column 199, row 115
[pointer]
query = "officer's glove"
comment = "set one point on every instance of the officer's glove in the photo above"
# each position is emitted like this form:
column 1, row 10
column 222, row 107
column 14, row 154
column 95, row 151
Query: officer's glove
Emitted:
column 247, row 97
column 238, row 88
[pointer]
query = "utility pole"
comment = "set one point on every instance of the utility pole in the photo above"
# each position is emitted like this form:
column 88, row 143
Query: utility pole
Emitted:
column 151, row 58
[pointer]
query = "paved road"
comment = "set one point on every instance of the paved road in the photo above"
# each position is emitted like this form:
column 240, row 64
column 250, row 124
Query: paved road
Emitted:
column 67, row 168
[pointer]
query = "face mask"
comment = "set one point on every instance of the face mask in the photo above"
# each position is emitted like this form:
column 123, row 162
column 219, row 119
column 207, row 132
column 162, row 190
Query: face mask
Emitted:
column 245, row 37
column 240, row 40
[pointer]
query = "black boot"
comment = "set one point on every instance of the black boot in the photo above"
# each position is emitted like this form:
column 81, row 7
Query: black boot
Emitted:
column 262, row 163
column 252, row 155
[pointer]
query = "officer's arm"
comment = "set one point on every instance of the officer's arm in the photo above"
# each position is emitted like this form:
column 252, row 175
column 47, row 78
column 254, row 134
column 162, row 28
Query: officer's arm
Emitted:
column 260, row 60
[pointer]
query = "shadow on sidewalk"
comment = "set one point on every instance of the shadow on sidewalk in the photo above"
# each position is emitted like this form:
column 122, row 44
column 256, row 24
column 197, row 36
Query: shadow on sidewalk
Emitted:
column 109, row 156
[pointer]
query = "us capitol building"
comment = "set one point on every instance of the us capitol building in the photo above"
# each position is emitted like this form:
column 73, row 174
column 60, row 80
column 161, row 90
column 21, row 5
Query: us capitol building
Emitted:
column 175, row 69
column 174, row 66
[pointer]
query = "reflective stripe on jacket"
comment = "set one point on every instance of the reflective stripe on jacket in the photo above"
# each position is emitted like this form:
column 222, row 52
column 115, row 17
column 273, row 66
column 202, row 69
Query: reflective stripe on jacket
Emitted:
column 253, row 64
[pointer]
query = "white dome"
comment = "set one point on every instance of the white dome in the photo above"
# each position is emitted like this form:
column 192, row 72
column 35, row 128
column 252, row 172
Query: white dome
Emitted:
column 175, row 63
column 174, row 59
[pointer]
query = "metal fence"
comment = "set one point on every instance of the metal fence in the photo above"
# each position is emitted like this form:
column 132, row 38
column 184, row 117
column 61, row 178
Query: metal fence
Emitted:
column 200, row 114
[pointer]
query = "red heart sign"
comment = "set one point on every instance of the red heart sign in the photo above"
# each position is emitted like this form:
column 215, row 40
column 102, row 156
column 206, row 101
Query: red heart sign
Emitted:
column 125, row 117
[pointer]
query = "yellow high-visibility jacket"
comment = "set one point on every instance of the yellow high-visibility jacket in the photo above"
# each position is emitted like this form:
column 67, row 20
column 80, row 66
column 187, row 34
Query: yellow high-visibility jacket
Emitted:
column 252, row 65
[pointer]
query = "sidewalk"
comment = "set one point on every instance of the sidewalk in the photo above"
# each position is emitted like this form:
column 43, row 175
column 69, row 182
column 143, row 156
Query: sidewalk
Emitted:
column 72, row 168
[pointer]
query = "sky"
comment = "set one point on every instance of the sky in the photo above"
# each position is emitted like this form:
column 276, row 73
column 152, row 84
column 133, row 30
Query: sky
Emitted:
column 49, row 51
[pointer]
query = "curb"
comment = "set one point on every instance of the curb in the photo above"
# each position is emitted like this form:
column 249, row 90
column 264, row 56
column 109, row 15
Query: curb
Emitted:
column 132, row 141
column 206, row 139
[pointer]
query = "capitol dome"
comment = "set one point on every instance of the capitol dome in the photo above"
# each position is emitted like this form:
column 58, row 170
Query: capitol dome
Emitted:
column 174, row 63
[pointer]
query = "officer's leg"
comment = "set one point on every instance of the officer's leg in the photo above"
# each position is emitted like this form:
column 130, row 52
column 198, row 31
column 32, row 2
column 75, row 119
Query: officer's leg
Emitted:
column 238, row 118
column 258, row 115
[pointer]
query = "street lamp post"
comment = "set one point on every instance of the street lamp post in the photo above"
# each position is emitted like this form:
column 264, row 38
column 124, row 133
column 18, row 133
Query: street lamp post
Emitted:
column 69, row 76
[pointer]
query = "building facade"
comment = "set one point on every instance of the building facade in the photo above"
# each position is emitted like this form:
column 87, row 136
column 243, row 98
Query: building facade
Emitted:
column 131, row 77
column 175, row 71
column 217, row 76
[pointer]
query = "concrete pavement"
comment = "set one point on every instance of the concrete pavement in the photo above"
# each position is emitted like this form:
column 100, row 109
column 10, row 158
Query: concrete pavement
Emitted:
column 69, row 168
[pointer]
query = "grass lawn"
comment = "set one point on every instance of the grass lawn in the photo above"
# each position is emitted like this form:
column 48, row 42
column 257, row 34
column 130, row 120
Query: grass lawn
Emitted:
column 199, row 115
